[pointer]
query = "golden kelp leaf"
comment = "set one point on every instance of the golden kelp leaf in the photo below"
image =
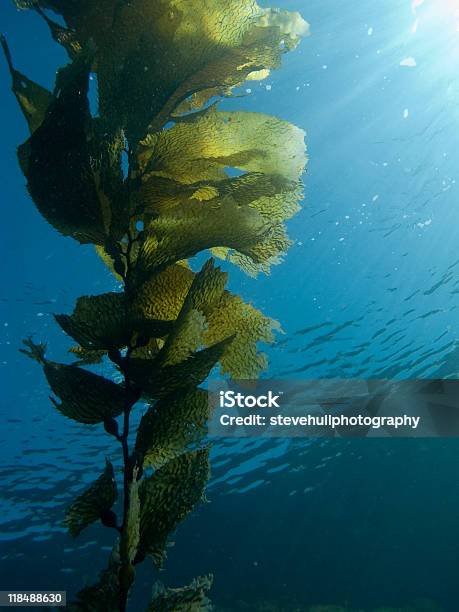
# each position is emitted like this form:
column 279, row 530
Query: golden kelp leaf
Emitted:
column 191, row 598
column 93, row 503
column 169, row 427
column 200, row 147
column 108, row 261
column 187, row 334
column 260, row 49
column 167, row 497
column 162, row 295
column 185, row 339
column 33, row 99
column 158, row 194
column 188, row 229
column 207, row 288
column 105, row 322
column 261, row 256
column 57, row 160
column 241, row 358
column 274, row 197
column 213, row 44
column 157, row 381
column 86, row 397
column 98, row 322
column 210, row 46
column 186, row 183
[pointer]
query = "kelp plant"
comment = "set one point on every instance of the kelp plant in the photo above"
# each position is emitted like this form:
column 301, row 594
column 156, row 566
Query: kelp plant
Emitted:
column 155, row 176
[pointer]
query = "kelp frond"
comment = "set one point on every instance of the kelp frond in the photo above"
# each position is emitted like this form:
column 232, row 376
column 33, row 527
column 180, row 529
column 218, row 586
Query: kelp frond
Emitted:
column 155, row 176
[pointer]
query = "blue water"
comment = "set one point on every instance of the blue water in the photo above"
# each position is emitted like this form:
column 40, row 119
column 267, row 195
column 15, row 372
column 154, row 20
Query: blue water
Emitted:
column 370, row 289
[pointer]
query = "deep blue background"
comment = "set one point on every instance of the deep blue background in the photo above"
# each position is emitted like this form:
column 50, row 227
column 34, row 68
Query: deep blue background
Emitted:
column 370, row 288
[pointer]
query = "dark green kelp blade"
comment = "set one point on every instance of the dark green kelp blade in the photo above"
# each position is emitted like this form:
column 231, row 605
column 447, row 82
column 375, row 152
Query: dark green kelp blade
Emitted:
column 104, row 322
column 64, row 36
column 156, row 381
column 33, row 99
column 166, row 498
column 86, row 397
column 190, row 598
column 171, row 426
column 56, row 160
column 93, row 504
column 103, row 596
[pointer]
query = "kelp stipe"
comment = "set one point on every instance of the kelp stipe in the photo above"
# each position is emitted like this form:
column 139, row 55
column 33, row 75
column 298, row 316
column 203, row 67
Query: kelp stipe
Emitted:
column 161, row 67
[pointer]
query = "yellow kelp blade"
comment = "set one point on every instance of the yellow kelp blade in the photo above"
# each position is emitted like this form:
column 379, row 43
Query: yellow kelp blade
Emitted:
column 188, row 331
column 86, row 397
column 241, row 360
column 186, row 230
column 273, row 197
column 202, row 146
column 154, row 55
column 162, row 297
column 103, row 322
column 185, row 182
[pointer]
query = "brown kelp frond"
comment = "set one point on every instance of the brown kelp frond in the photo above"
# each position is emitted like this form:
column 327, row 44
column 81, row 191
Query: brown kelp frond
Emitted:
column 201, row 147
column 187, row 334
column 87, row 356
column 163, row 297
column 98, row 322
column 104, row 322
column 34, row 351
column 190, row 598
column 64, row 36
column 131, row 536
column 167, row 497
column 153, row 177
column 249, row 326
column 86, row 397
column 206, row 49
column 56, row 161
column 104, row 595
column 186, row 184
column 157, row 381
column 33, row 99
column 186, row 230
column 171, row 426
column 94, row 504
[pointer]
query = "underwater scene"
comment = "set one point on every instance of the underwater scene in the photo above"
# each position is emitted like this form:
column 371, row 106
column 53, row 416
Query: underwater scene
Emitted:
column 218, row 190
